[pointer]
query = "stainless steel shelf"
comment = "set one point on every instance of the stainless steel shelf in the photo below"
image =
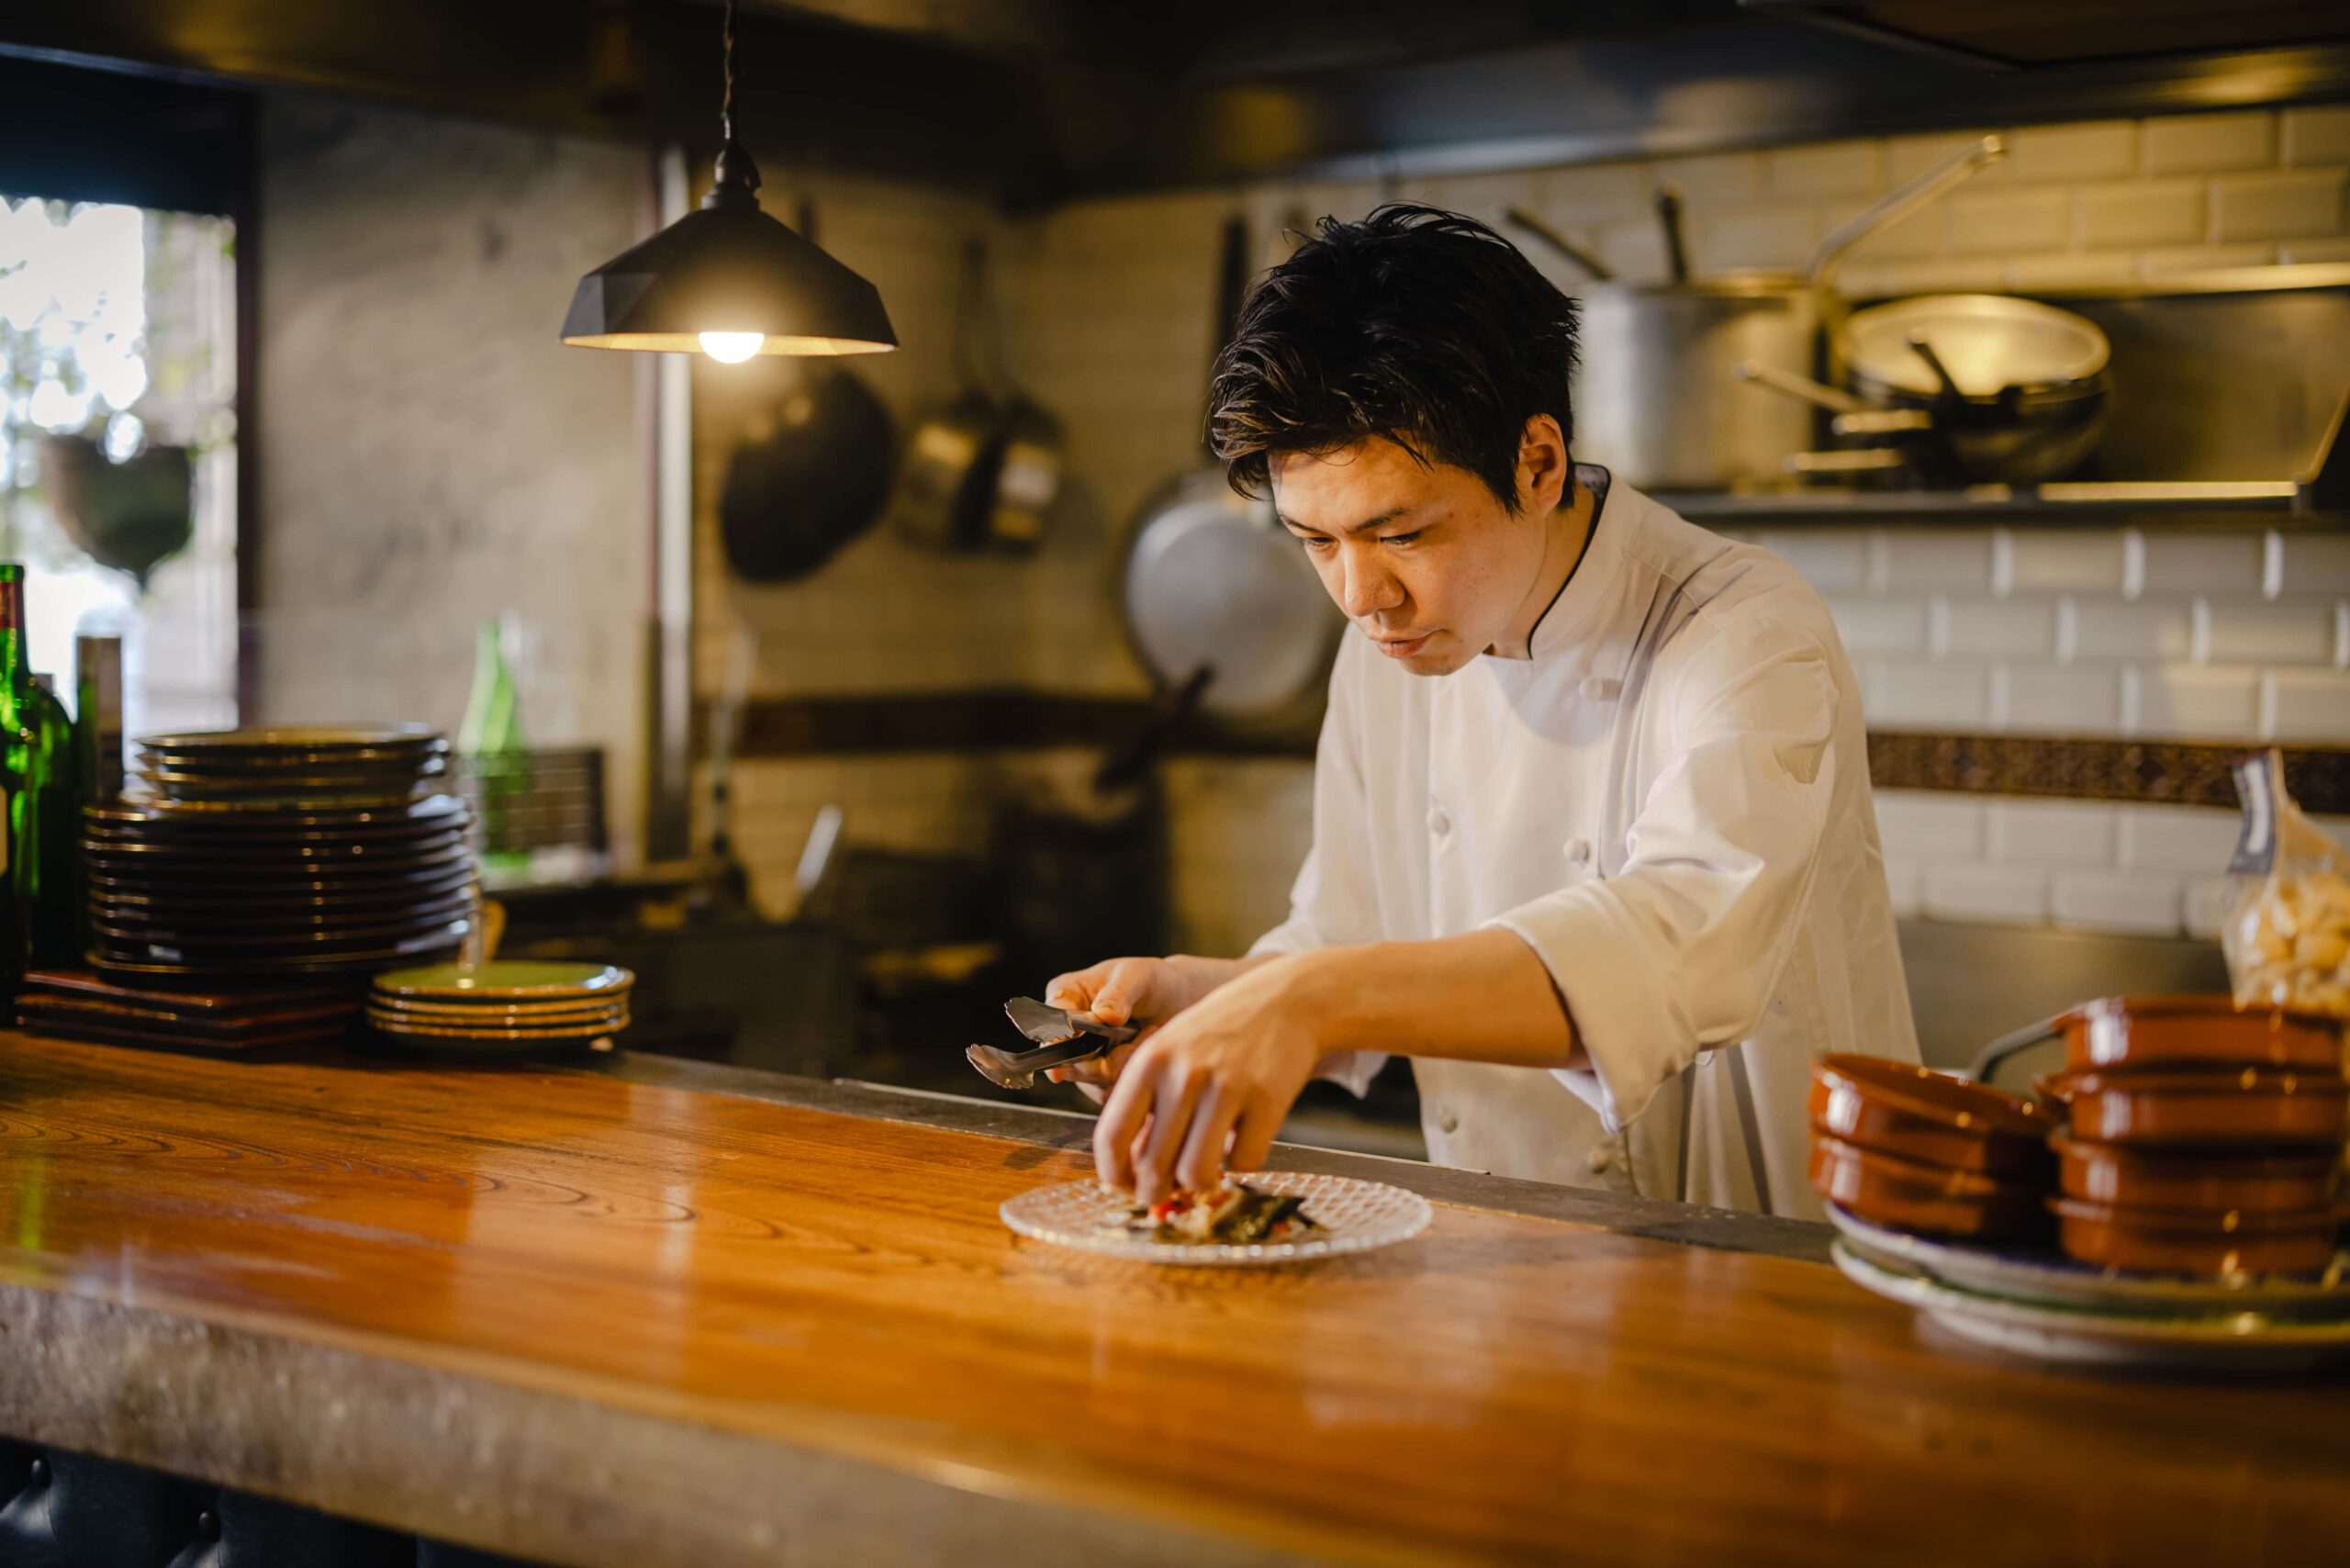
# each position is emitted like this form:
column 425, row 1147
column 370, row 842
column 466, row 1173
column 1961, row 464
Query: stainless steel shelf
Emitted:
column 2261, row 504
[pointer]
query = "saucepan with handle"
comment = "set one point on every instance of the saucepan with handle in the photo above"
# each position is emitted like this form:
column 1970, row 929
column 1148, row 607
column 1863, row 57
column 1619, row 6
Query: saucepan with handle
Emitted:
column 1657, row 401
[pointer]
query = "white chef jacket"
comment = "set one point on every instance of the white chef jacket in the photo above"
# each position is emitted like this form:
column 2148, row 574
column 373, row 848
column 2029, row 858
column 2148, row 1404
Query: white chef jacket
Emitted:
column 1669, row 800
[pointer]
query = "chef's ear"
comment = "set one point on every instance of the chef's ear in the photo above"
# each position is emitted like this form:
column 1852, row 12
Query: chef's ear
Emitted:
column 1542, row 467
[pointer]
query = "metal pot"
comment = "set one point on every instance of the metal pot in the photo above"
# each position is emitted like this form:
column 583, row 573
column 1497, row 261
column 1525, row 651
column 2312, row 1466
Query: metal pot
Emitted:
column 1657, row 402
column 1956, row 389
column 1220, row 602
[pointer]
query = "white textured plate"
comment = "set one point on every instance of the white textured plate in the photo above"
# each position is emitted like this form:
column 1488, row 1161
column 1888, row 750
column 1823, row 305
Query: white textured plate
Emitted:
column 2072, row 1334
column 2054, row 1280
column 1356, row 1216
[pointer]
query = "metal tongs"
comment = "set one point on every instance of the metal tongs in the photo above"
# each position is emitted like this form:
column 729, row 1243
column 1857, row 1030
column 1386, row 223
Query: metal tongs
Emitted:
column 1061, row 1037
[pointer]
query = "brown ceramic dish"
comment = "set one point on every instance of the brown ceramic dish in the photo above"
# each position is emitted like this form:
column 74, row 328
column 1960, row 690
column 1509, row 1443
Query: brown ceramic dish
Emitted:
column 1906, row 1195
column 2168, row 1241
column 1903, row 1110
column 2106, row 1173
column 2137, row 1032
column 2255, row 1108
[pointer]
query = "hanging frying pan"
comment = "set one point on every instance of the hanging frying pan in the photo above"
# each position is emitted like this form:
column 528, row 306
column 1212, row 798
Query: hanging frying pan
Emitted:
column 1211, row 581
column 811, row 474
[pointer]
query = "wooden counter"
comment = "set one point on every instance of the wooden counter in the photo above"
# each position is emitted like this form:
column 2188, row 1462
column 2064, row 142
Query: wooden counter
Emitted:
column 575, row 1316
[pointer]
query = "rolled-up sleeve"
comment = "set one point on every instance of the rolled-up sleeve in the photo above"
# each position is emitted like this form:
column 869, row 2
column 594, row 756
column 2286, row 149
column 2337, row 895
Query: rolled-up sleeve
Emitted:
column 1681, row 950
column 1332, row 904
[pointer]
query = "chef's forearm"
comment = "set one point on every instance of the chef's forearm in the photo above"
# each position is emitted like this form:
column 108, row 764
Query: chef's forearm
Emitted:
column 1198, row 976
column 1480, row 996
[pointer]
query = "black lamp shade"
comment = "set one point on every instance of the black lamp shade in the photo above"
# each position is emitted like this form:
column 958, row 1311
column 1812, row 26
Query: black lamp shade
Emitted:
column 728, row 268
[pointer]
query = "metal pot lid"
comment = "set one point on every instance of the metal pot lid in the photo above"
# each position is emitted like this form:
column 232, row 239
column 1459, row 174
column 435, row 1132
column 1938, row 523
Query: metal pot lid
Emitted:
column 1990, row 342
column 1214, row 579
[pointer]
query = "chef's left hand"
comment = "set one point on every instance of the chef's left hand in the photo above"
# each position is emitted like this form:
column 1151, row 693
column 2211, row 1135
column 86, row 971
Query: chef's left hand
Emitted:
column 1228, row 1067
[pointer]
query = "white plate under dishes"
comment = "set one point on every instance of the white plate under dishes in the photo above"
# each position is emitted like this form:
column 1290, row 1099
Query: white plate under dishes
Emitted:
column 1356, row 1216
column 2234, row 1340
column 2053, row 1280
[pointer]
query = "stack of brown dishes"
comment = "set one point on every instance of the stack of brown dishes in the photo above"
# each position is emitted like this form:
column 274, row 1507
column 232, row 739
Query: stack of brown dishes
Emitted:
column 77, row 1006
column 2199, row 1139
column 1922, row 1151
column 274, row 852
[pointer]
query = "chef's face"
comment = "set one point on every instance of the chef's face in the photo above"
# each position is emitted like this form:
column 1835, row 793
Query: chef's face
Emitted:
column 1423, row 558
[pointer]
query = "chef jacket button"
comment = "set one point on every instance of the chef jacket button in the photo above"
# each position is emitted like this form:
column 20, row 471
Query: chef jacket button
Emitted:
column 1438, row 824
column 1597, row 688
column 1448, row 1121
column 1602, row 1161
column 1579, row 851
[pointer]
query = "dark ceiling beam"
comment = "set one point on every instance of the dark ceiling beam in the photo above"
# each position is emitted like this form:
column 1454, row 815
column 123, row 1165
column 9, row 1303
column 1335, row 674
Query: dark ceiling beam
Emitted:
column 1034, row 101
column 813, row 94
column 1731, row 82
column 1025, row 31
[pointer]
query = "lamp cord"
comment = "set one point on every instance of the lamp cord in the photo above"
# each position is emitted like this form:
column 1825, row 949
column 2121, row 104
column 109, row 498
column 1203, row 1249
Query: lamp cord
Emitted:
column 726, row 106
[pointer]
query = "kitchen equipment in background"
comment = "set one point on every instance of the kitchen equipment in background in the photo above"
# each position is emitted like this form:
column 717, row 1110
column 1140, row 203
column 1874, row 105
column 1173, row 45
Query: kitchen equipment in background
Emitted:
column 810, row 474
column 1028, row 476
column 1211, row 581
column 131, row 516
column 1676, row 247
column 1959, row 388
column 536, row 807
column 946, row 485
column 982, row 471
column 1657, row 402
column 884, row 898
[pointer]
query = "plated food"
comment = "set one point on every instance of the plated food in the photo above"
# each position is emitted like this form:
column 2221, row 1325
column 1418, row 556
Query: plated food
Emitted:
column 1234, row 1215
column 1331, row 1215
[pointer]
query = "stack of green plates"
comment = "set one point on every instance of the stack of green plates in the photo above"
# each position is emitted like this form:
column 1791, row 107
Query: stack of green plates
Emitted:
column 503, row 1008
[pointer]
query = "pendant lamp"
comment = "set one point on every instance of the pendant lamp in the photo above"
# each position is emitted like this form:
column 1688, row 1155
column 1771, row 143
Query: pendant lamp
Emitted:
column 728, row 279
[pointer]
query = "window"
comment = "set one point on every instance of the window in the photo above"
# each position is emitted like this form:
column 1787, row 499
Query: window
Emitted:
column 118, row 446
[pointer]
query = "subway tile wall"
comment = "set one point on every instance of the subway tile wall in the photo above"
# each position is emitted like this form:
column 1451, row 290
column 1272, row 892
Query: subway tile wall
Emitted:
column 1108, row 310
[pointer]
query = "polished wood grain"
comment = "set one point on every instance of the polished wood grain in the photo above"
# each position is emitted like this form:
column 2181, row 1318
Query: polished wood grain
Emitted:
column 1505, row 1388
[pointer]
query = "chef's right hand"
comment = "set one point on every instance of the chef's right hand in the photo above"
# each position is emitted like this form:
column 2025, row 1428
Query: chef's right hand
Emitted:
column 1144, row 993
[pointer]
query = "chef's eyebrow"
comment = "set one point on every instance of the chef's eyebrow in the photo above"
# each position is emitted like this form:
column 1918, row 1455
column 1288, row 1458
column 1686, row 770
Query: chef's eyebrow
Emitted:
column 1390, row 515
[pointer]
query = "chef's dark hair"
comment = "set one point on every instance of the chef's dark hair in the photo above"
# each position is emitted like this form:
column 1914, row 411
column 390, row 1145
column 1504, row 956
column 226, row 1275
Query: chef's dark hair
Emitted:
column 1421, row 326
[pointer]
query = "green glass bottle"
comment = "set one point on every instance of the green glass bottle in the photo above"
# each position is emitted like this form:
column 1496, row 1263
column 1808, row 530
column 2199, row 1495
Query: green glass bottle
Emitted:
column 37, row 771
column 491, row 752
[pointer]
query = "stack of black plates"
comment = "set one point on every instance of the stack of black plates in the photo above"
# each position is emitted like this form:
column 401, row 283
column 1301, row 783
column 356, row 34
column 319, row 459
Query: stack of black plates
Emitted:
column 311, row 851
column 313, row 764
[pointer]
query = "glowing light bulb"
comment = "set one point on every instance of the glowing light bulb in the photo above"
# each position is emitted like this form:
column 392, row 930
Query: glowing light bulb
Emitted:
column 732, row 348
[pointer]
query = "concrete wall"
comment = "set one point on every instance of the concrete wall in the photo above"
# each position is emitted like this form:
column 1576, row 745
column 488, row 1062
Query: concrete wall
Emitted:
column 431, row 454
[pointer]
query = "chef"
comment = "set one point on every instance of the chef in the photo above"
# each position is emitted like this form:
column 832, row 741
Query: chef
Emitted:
column 1593, row 839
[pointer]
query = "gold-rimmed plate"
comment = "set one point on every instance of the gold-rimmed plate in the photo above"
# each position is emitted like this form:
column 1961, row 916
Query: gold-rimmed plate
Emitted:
column 507, row 980
column 516, row 1015
column 404, row 1029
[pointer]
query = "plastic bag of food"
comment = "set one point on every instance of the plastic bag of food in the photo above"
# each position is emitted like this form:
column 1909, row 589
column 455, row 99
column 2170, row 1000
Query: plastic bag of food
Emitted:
column 2288, row 939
